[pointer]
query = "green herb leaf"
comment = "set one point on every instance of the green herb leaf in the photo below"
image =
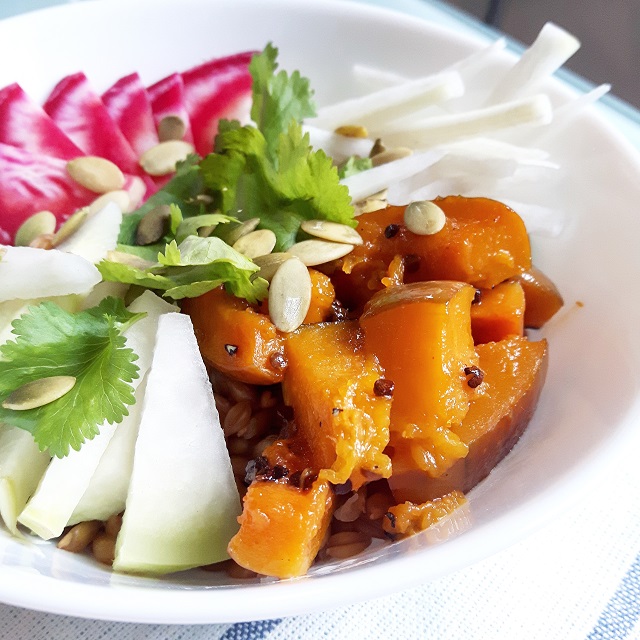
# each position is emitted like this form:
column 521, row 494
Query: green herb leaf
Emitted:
column 354, row 165
column 192, row 268
column 88, row 345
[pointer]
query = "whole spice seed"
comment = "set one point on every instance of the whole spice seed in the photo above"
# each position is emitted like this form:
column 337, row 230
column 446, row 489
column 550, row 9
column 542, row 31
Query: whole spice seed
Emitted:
column 290, row 295
column 315, row 252
column 278, row 361
column 424, row 218
column 331, row 231
column 475, row 376
column 171, row 128
column 477, row 296
column 231, row 349
column 96, row 174
column 383, row 388
column 162, row 159
column 377, row 148
column 39, row 393
column 41, row 223
column 411, row 263
column 391, row 231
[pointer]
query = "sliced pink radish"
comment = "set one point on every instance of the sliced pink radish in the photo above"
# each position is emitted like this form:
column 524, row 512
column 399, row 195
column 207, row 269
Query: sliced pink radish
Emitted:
column 26, row 125
column 79, row 112
column 36, row 182
column 128, row 104
column 217, row 89
column 167, row 99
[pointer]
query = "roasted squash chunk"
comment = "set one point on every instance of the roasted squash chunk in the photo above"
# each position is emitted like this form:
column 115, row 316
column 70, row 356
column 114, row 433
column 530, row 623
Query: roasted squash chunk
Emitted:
column 514, row 373
column 329, row 382
column 421, row 334
column 483, row 242
column 282, row 527
column 543, row 300
column 499, row 313
column 235, row 339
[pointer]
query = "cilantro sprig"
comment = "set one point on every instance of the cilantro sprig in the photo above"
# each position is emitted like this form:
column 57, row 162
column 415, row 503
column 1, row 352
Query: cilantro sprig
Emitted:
column 88, row 345
column 265, row 170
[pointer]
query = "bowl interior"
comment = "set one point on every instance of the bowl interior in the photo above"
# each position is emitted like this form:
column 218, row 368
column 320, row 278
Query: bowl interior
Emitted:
column 590, row 400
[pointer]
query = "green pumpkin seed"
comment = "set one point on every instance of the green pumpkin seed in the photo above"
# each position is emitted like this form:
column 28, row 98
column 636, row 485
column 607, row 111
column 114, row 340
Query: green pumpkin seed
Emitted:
column 39, row 224
column 39, row 393
column 154, row 225
column 70, row 226
column 171, row 128
column 96, row 174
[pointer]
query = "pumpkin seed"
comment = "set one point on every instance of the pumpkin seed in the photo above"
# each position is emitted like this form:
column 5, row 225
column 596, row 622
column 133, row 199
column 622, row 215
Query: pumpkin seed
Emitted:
column 154, row 225
column 352, row 131
column 289, row 295
column 39, row 393
column 256, row 243
column 377, row 148
column 390, row 155
column 374, row 202
column 70, row 226
column 119, row 197
column 162, row 159
column 270, row 263
column 171, row 128
column 234, row 233
column 332, row 231
column 424, row 218
column 129, row 259
column 96, row 174
column 41, row 223
column 45, row 241
column 314, row 252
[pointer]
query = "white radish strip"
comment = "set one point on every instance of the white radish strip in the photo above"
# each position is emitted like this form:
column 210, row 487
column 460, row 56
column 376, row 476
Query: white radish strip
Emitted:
column 442, row 129
column 397, row 101
column 27, row 273
column 378, row 78
column 490, row 148
column 550, row 50
column 366, row 183
column 540, row 220
column 336, row 146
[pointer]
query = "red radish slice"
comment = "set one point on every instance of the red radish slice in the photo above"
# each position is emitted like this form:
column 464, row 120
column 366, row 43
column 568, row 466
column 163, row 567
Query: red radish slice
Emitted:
column 26, row 125
column 128, row 104
column 36, row 182
column 217, row 89
column 167, row 99
column 80, row 113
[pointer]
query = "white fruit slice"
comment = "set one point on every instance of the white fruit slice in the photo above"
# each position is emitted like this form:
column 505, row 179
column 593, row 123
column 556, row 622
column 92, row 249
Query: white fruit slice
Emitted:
column 183, row 501
column 96, row 236
column 21, row 467
column 27, row 273
column 66, row 479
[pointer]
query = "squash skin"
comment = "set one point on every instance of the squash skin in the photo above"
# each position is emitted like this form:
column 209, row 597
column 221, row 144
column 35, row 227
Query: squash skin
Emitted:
column 515, row 370
column 282, row 527
column 483, row 242
column 346, row 426
column 499, row 313
column 543, row 299
column 221, row 322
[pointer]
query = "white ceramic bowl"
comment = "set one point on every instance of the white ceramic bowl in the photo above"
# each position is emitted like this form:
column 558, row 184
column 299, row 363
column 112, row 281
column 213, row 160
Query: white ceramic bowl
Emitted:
column 588, row 409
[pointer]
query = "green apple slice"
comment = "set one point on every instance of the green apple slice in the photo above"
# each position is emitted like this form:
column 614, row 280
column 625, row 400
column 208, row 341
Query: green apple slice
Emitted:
column 183, row 501
column 66, row 479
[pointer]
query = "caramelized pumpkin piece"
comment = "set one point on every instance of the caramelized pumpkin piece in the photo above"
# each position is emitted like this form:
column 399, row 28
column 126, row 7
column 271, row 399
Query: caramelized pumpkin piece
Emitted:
column 543, row 300
column 483, row 242
column 330, row 383
column 322, row 297
column 282, row 527
column 421, row 334
column 499, row 313
column 409, row 518
column 514, row 373
column 235, row 339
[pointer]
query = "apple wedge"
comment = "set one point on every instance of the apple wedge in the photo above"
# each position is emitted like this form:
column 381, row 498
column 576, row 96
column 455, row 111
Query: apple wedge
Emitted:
column 66, row 479
column 183, row 501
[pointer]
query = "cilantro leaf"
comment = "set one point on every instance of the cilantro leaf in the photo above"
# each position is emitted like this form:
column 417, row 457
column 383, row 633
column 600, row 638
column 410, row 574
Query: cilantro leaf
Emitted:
column 192, row 268
column 353, row 165
column 88, row 345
